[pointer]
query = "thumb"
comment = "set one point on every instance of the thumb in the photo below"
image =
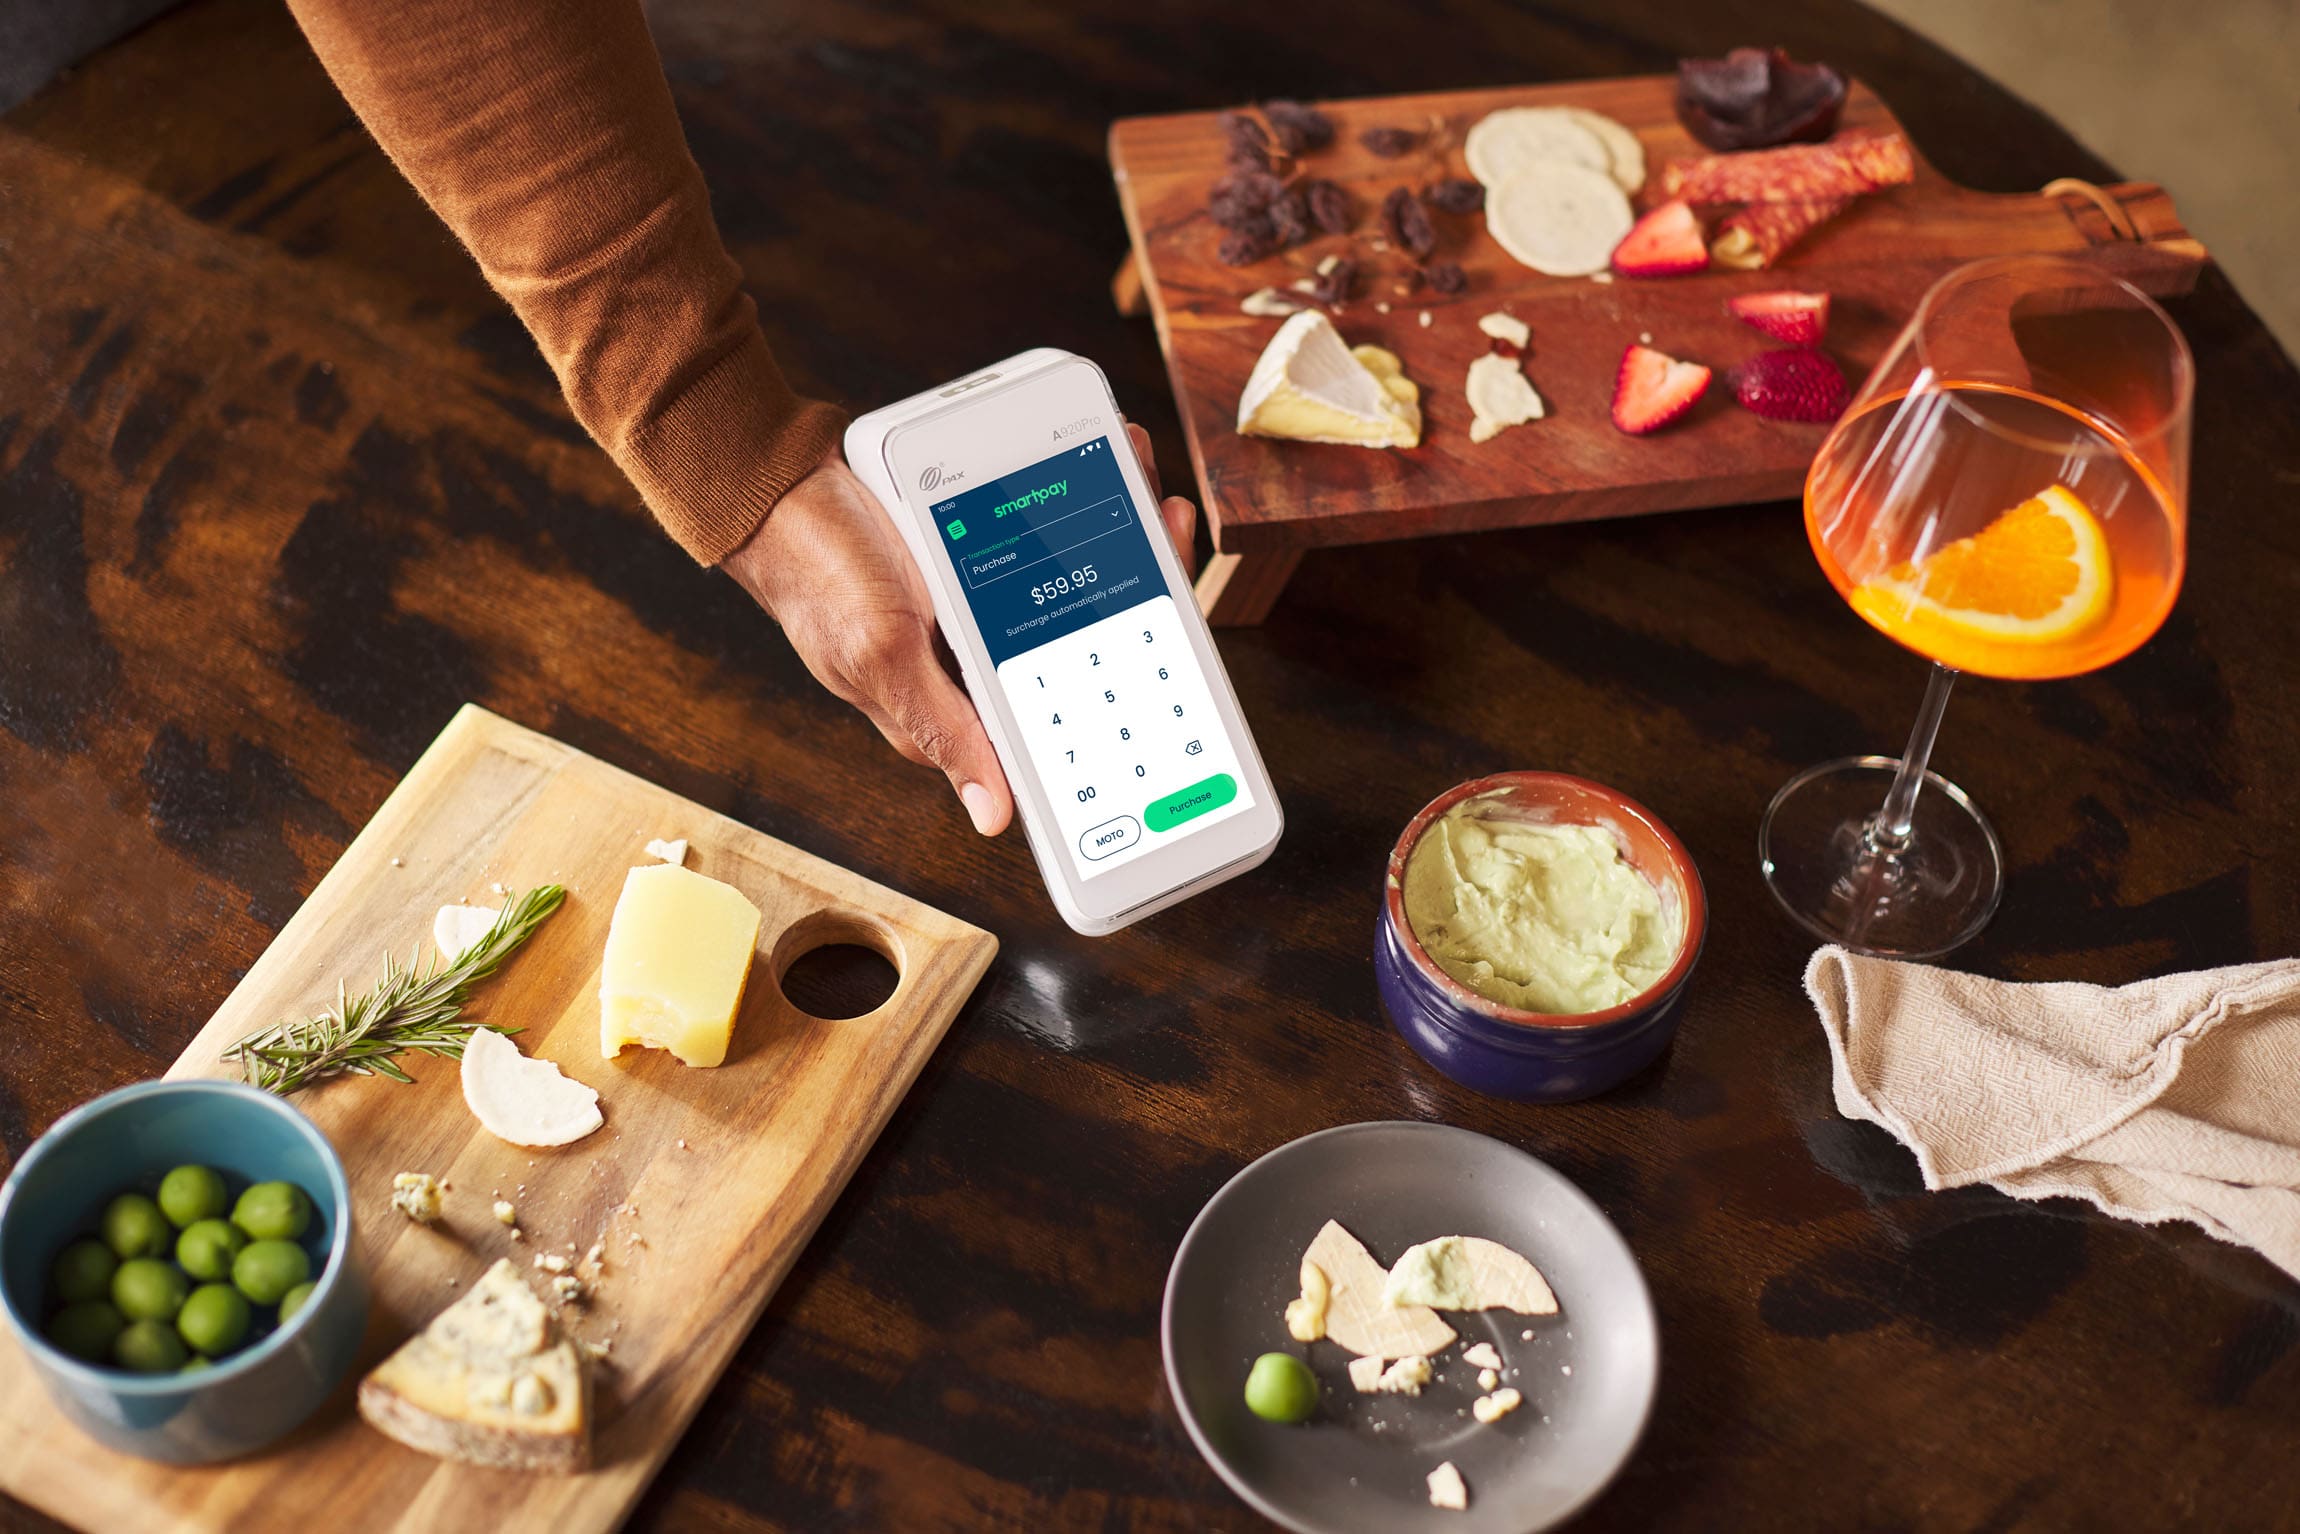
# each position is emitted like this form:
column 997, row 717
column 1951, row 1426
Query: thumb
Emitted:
column 922, row 702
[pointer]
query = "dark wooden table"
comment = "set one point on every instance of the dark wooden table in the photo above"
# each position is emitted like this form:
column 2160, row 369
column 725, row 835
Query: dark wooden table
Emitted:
column 281, row 484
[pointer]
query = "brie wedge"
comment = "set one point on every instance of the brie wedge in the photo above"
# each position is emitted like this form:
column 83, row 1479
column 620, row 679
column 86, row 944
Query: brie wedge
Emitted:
column 1311, row 387
column 489, row 1381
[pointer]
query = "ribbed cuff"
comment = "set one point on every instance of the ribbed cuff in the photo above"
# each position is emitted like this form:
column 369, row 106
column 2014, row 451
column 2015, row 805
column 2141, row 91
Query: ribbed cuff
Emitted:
column 714, row 461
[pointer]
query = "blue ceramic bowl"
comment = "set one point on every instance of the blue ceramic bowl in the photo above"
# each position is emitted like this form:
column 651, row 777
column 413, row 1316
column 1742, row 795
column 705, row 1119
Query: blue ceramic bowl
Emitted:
column 127, row 1139
column 1538, row 1056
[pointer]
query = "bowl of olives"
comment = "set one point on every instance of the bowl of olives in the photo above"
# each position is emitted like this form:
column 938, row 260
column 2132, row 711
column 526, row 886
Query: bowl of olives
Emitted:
column 176, row 1258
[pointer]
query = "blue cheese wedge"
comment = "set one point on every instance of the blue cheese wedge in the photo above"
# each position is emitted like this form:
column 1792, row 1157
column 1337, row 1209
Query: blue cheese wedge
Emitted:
column 1310, row 386
column 490, row 1381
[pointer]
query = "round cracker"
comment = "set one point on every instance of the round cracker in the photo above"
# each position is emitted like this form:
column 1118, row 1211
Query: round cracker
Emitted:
column 1516, row 139
column 1559, row 218
column 1622, row 149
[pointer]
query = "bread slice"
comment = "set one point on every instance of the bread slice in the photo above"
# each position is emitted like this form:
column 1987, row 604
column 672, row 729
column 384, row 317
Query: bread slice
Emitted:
column 490, row 1381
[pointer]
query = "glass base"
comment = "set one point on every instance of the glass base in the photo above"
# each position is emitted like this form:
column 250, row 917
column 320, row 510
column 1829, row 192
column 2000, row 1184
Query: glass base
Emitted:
column 1830, row 872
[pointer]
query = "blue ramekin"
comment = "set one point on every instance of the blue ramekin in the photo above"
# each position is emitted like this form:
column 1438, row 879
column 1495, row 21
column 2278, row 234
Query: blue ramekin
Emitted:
column 1537, row 1056
column 127, row 1139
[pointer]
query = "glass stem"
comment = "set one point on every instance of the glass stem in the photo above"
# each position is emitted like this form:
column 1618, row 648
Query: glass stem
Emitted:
column 1889, row 832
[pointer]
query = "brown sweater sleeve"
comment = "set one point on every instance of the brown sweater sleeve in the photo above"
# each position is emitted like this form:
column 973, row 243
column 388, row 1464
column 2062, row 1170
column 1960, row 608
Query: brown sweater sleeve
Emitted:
column 542, row 131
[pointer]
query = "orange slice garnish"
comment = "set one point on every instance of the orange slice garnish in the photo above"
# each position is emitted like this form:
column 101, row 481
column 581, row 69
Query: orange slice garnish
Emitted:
column 2040, row 574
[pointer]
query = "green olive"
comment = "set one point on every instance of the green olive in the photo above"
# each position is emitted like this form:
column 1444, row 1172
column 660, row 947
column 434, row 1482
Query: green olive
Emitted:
column 294, row 1300
column 273, row 1211
column 147, row 1289
column 86, row 1330
column 265, row 1271
column 206, row 1249
column 192, row 1193
column 134, row 1227
column 1281, row 1388
column 83, row 1271
column 195, row 1364
column 214, row 1318
column 149, row 1347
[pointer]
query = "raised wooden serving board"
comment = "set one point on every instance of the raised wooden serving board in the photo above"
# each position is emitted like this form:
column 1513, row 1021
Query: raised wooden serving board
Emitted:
column 721, row 1174
column 1268, row 501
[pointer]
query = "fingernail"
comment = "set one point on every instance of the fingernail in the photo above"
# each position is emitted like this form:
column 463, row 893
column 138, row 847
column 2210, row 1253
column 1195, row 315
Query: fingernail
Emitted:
column 978, row 804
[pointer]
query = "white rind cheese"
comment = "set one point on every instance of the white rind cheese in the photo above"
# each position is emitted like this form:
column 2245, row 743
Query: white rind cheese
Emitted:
column 1499, row 397
column 490, row 1381
column 1559, row 217
column 524, row 1101
column 1309, row 386
column 457, row 927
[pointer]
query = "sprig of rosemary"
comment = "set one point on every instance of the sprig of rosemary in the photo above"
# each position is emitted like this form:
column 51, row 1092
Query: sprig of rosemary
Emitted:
column 414, row 1008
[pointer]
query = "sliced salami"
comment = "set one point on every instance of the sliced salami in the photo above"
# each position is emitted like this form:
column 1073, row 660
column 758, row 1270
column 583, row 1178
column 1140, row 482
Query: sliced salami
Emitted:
column 1846, row 166
column 1762, row 232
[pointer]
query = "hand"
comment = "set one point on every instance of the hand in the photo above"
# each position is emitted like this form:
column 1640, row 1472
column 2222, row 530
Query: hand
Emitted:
column 831, row 569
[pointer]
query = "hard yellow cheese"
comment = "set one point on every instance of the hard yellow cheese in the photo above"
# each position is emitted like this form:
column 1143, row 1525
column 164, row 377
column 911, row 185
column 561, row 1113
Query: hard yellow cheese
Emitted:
column 678, row 952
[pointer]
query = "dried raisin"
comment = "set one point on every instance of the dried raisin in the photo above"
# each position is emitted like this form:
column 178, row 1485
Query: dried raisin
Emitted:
column 1407, row 224
column 1446, row 277
column 1389, row 143
column 1329, row 207
column 1336, row 282
column 1243, row 249
column 1296, row 127
column 1456, row 196
column 1290, row 218
column 1242, row 201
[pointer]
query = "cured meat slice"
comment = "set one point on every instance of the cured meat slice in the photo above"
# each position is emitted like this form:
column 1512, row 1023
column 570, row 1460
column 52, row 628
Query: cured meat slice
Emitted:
column 1846, row 166
column 1761, row 233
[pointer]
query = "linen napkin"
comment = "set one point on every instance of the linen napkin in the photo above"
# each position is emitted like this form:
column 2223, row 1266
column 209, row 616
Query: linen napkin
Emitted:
column 2176, row 1098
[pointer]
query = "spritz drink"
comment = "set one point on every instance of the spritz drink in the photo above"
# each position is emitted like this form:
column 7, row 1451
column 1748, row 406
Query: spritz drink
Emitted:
column 2007, row 495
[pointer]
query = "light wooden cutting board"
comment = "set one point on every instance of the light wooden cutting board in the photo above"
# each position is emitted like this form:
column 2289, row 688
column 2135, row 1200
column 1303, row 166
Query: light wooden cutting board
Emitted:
column 721, row 1174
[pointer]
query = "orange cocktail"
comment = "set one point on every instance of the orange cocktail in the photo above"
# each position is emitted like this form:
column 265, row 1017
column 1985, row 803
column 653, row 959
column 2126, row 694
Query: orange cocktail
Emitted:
column 2051, row 548
column 2006, row 495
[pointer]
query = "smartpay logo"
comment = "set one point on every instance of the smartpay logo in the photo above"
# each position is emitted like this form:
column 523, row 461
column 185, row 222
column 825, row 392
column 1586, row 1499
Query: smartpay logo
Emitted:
column 1031, row 498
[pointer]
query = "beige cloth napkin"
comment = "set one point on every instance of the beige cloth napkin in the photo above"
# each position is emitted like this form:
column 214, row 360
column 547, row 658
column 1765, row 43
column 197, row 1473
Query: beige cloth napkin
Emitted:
column 2170, row 1099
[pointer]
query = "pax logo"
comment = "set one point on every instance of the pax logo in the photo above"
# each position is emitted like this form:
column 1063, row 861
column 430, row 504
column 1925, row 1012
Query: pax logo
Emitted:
column 1073, row 428
column 931, row 478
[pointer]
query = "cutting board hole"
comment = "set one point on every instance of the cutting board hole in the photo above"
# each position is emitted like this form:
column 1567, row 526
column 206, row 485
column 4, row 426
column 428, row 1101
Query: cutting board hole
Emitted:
column 832, row 967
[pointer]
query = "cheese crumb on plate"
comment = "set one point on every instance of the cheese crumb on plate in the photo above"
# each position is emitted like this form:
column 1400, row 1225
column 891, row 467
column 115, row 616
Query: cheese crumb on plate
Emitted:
column 1447, row 1490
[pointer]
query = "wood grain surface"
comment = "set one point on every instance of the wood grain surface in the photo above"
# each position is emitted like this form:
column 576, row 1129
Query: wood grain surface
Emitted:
column 1264, row 496
column 700, row 1190
column 281, row 486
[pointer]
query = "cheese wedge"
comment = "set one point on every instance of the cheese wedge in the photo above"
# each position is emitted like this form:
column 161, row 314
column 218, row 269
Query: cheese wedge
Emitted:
column 1309, row 386
column 678, row 953
column 489, row 1381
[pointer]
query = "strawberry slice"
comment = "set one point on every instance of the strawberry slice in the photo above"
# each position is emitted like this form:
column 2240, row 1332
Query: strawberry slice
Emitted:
column 1654, row 389
column 1664, row 243
column 1791, row 386
column 1797, row 319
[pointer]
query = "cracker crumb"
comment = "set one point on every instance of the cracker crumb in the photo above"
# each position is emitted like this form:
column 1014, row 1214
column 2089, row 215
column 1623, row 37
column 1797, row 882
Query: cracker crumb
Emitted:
column 1381, row 307
column 505, row 1212
column 1428, row 319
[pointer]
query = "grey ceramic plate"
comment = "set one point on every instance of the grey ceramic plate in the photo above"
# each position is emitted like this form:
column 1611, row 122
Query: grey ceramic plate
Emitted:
column 1587, row 1375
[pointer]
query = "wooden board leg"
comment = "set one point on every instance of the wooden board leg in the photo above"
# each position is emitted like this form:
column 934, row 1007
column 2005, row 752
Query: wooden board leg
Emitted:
column 1126, row 289
column 1238, row 590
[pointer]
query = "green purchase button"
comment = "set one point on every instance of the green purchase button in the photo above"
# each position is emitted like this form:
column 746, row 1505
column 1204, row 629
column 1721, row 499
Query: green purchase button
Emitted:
column 1189, row 803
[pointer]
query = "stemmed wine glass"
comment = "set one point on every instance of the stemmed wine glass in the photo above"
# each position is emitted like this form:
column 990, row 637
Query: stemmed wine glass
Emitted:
column 2007, row 495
